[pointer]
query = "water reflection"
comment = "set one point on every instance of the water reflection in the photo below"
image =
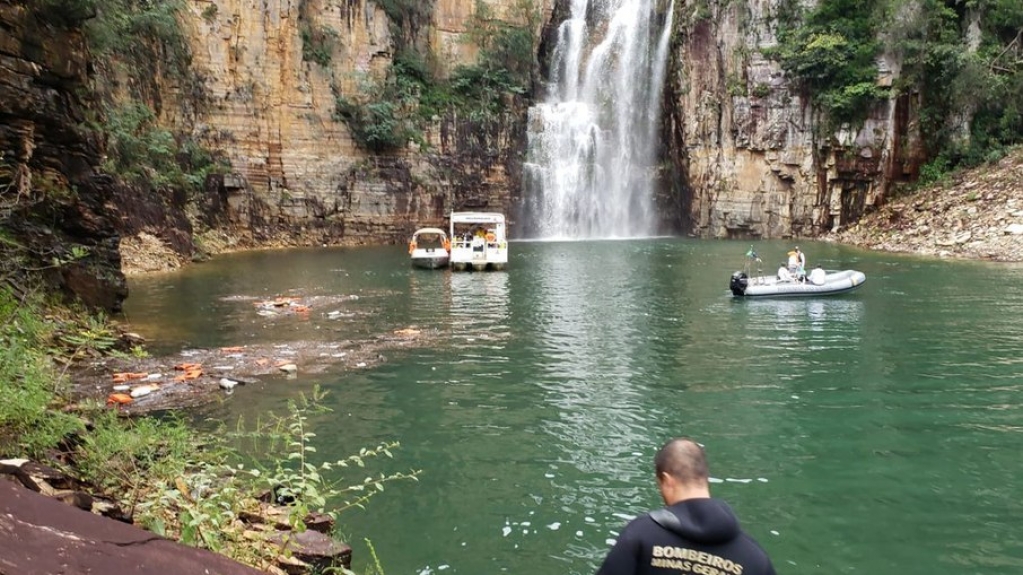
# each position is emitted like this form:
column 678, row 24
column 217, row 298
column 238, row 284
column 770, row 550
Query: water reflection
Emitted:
column 587, row 317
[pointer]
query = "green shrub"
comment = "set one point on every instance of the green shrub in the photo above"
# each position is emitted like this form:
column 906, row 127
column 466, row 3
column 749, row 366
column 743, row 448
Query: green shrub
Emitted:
column 31, row 385
column 317, row 43
column 141, row 152
column 129, row 456
column 203, row 506
column 209, row 13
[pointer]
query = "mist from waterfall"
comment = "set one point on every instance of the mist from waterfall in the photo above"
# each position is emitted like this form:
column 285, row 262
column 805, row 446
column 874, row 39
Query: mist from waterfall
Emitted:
column 591, row 162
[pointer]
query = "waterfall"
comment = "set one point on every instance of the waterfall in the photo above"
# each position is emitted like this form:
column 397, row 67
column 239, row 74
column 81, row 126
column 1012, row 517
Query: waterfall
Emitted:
column 590, row 166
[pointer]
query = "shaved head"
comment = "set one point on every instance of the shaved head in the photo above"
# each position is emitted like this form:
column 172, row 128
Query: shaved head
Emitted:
column 683, row 459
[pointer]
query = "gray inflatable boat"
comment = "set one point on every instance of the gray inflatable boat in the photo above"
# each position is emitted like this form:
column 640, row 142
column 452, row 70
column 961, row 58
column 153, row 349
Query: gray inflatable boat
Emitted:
column 818, row 283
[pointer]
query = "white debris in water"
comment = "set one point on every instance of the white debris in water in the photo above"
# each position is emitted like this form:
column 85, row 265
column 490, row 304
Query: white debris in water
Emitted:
column 142, row 391
column 624, row 516
column 738, row 480
column 795, row 397
column 549, row 475
column 773, row 532
column 554, row 526
column 714, row 480
column 525, row 524
column 762, row 479
column 589, row 519
column 609, row 541
column 578, row 533
column 442, row 567
column 505, row 531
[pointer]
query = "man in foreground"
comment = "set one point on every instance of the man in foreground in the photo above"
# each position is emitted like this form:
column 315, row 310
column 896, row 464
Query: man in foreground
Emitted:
column 693, row 534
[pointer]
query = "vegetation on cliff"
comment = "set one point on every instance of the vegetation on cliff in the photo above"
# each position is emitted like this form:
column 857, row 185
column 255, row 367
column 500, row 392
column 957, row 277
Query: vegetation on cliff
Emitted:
column 135, row 48
column 962, row 59
column 388, row 113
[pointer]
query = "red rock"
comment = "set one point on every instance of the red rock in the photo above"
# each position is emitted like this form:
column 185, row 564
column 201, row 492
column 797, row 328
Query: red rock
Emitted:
column 39, row 535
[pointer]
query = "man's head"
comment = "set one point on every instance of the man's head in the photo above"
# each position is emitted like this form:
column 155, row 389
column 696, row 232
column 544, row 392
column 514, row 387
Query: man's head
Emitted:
column 797, row 249
column 682, row 472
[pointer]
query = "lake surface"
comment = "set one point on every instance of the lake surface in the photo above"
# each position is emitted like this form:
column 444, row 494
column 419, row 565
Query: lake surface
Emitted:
column 875, row 432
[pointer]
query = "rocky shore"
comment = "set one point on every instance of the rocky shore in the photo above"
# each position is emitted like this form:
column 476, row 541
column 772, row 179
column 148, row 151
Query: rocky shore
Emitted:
column 976, row 214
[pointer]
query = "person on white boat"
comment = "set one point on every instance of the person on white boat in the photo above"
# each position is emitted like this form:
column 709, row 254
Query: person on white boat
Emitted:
column 479, row 240
column 797, row 263
column 817, row 276
column 784, row 274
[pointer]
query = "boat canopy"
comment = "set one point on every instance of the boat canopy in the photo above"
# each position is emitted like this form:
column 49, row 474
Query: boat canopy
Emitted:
column 436, row 231
column 476, row 218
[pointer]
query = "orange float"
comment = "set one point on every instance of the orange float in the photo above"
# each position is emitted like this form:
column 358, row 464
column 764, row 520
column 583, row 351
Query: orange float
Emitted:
column 119, row 399
column 126, row 376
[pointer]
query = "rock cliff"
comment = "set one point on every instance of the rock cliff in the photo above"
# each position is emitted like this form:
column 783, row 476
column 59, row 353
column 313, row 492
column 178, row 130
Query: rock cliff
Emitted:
column 747, row 154
column 58, row 211
column 275, row 70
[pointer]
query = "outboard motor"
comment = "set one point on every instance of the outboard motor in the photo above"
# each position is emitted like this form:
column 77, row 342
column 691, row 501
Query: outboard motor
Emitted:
column 738, row 284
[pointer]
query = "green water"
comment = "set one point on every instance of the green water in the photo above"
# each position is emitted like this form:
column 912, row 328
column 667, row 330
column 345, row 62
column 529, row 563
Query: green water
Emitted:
column 876, row 432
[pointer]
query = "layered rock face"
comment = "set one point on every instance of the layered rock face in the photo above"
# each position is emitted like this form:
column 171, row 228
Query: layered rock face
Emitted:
column 296, row 170
column 742, row 140
column 51, row 197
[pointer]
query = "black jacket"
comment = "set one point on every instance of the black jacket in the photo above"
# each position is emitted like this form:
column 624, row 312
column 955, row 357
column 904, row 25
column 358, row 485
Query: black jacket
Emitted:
column 699, row 536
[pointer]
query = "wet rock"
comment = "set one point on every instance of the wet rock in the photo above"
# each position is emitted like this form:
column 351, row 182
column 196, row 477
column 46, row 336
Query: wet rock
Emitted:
column 316, row 549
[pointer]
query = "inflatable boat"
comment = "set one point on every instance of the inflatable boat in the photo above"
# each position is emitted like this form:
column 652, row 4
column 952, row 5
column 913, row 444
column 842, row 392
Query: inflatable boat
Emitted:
column 817, row 283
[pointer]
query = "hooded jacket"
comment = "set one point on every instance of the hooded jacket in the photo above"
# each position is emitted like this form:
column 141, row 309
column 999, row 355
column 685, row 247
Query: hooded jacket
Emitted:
column 699, row 536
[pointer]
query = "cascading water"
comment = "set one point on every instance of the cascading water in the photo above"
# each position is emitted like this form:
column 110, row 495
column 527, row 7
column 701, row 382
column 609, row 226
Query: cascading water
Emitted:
column 589, row 172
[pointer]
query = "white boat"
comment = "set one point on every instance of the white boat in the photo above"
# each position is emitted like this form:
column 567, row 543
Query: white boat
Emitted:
column 479, row 241
column 816, row 283
column 430, row 248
